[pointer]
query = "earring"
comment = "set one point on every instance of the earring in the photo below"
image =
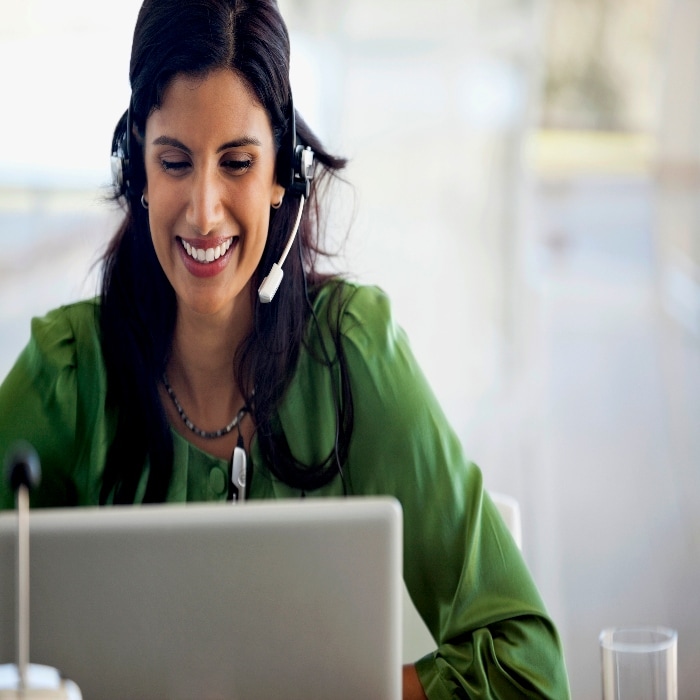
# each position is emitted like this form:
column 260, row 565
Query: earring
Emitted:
column 144, row 201
column 277, row 205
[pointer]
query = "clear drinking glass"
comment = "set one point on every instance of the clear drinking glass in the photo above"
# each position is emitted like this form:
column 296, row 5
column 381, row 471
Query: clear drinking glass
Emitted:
column 639, row 663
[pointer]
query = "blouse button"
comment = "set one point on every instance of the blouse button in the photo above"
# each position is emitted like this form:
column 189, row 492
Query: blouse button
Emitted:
column 217, row 480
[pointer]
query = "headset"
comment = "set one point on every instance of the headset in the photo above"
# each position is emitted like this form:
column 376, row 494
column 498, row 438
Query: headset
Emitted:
column 295, row 170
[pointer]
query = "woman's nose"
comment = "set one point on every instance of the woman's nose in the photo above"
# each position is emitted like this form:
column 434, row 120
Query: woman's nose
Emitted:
column 205, row 209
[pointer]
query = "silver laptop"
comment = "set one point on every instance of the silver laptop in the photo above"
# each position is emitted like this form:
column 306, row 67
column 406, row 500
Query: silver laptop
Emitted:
column 275, row 599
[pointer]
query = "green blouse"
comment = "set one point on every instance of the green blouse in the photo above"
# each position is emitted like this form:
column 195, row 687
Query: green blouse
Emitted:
column 461, row 567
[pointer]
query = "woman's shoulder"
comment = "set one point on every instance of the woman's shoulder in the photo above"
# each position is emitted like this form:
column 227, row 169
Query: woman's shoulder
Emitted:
column 53, row 398
column 81, row 315
column 349, row 295
column 63, row 333
column 360, row 313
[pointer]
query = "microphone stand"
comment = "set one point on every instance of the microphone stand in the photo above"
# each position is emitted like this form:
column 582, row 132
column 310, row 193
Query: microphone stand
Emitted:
column 22, row 585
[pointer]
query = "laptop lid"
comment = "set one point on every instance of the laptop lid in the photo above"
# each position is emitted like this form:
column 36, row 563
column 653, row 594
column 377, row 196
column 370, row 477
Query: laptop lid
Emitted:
column 293, row 599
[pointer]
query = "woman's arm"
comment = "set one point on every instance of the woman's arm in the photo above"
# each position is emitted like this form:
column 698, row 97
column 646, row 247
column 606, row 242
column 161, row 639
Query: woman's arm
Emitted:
column 462, row 568
column 412, row 688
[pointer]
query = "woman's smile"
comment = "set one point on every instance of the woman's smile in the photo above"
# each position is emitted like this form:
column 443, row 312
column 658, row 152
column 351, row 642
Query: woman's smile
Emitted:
column 206, row 253
column 207, row 257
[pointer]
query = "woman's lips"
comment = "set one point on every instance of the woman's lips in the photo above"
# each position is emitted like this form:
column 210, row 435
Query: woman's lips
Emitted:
column 207, row 253
column 207, row 258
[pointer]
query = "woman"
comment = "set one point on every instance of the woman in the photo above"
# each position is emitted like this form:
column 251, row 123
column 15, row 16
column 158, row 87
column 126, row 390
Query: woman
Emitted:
column 183, row 374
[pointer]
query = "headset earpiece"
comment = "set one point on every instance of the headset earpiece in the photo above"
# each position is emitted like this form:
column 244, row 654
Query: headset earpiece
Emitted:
column 303, row 171
column 121, row 154
column 295, row 162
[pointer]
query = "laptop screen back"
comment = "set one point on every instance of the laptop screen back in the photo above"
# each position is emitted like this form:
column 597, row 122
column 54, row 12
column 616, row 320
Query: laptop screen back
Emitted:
column 293, row 599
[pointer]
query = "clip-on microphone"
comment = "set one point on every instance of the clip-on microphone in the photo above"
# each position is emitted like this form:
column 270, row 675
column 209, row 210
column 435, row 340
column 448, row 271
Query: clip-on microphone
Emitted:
column 24, row 680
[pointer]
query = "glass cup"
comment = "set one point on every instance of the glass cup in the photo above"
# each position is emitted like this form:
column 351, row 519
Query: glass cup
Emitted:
column 639, row 663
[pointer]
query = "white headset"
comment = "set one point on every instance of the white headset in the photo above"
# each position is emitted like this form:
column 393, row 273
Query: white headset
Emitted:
column 302, row 172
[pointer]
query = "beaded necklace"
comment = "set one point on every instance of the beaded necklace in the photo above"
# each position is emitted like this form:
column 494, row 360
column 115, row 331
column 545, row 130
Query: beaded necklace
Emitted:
column 208, row 435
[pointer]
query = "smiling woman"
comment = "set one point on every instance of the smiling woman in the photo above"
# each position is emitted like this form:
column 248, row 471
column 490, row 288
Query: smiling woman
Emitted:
column 181, row 369
column 210, row 159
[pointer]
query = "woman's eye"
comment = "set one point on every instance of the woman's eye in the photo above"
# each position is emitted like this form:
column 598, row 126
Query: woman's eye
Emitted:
column 238, row 166
column 174, row 165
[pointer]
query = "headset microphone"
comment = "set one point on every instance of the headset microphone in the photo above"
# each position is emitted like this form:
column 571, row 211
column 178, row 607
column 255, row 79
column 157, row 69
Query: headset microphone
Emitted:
column 271, row 283
column 299, row 183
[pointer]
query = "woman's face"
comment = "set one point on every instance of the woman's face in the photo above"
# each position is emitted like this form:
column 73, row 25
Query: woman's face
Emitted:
column 210, row 170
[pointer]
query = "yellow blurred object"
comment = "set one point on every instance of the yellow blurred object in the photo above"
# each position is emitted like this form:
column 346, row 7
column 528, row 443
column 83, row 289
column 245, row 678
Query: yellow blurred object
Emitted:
column 564, row 152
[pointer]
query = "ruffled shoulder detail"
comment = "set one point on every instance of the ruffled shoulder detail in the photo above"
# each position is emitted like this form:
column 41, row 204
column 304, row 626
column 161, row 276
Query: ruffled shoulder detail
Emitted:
column 60, row 337
column 54, row 398
column 363, row 314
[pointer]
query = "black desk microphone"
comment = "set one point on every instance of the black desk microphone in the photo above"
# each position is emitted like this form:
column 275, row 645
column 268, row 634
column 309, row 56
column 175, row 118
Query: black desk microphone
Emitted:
column 24, row 680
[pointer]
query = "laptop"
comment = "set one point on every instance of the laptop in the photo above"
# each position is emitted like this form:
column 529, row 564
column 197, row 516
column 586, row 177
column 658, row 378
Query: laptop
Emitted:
column 272, row 599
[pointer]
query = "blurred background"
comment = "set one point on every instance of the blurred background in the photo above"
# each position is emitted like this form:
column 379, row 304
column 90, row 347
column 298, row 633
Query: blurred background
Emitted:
column 525, row 178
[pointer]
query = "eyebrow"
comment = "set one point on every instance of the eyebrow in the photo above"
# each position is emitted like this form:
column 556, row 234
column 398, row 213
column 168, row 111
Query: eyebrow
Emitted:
column 236, row 143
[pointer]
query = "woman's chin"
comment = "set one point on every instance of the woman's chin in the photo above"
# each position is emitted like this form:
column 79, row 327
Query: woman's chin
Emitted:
column 211, row 303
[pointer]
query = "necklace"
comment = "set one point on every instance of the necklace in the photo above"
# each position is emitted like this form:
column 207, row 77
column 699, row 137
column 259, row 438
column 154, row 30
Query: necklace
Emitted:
column 209, row 435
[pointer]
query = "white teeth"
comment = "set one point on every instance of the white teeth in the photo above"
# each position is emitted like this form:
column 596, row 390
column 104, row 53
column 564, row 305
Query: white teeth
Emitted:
column 207, row 254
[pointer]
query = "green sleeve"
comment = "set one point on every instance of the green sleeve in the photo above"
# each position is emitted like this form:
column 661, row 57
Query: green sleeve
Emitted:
column 462, row 568
column 53, row 398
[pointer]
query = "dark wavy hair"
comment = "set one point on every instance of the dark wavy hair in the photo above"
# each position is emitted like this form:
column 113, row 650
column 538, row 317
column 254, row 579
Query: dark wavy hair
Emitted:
column 138, row 305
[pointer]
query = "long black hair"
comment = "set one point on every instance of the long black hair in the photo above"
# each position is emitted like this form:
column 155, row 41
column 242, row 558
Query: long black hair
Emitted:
column 138, row 305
